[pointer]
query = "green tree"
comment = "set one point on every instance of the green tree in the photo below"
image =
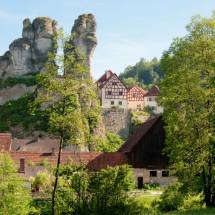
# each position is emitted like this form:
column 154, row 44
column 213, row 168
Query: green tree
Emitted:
column 94, row 193
column 68, row 97
column 187, row 94
column 144, row 73
column 14, row 197
column 130, row 82
column 111, row 144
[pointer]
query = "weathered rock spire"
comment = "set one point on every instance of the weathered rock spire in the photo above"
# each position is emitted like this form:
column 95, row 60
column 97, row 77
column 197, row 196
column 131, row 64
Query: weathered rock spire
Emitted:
column 84, row 31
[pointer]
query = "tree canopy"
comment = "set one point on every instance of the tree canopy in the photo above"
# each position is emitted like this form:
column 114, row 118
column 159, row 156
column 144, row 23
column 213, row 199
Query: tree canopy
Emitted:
column 188, row 98
column 143, row 73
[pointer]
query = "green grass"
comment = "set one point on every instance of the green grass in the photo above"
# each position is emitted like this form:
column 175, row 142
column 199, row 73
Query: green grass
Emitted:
column 205, row 211
column 146, row 202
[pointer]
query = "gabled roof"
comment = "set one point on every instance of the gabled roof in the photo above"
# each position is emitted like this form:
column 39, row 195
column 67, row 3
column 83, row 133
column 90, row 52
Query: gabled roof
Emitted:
column 139, row 88
column 154, row 91
column 105, row 76
column 113, row 75
column 138, row 135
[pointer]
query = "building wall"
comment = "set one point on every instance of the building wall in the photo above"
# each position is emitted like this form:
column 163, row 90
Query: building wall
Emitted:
column 116, row 120
column 134, row 105
column 151, row 102
column 106, row 103
column 145, row 173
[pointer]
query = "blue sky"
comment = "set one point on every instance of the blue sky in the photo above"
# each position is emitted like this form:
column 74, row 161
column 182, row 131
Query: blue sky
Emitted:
column 127, row 30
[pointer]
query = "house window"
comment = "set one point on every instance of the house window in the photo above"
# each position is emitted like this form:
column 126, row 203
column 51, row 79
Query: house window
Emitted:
column 165, row 173
column 139, row 182
column 114, row 83
column 150, row 99
column 153, row 173
column 120, row 102
column 120, row 93
column 153, row 108
column 109, row 92
column 134, row 95
column 22, row 165
column 112, row 102
column 139, row 106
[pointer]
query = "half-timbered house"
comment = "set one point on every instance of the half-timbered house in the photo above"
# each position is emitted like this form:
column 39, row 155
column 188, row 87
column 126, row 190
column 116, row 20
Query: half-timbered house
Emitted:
column 112, row 91
column 136, row 98
column 150, row 100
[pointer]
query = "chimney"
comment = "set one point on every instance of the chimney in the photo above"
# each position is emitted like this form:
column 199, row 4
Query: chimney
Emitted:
column 5, row 141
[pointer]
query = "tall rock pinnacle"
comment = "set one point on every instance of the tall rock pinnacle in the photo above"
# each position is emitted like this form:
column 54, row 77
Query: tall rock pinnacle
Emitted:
column 85, row 40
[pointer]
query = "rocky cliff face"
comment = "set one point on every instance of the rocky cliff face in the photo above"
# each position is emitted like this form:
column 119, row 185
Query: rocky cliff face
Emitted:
column 29, row 53
column 26, row 56
column 84, row 32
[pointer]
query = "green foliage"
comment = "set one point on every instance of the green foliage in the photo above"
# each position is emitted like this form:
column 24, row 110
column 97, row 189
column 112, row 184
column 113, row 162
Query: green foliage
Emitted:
column 187, row 95
column 14, row 198
column 40, row 206
column 146, row 204
column 192, row 202
column 137, row 118
column 28, row 80
column 130, row 82
column 144, row 73
column 42, row 181
column 104, row 192
column 171, row 198
column 111, row 144
column 153, row 186
column 18, row 113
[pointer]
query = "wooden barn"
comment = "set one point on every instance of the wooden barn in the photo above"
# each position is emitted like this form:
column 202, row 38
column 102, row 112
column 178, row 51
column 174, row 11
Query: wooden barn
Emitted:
column 144, row 151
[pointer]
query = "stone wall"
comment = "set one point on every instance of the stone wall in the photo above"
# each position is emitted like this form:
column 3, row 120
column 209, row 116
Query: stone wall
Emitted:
column 159, row 179
column 117, row 120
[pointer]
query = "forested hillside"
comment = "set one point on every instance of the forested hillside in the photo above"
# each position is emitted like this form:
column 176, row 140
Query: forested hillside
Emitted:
column 143, row 73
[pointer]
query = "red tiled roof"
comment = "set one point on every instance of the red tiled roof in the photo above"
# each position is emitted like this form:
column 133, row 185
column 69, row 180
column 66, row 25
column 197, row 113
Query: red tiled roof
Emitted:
column 104, row 83
column 139, row 88
column 93, row 160
column 140, row 132
column 35, row 145
column 154, row 91
column 104, row 77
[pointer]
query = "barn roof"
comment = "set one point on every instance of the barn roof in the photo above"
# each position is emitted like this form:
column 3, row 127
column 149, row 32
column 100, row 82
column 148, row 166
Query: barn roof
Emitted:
column 138, row 135
column 154, row 91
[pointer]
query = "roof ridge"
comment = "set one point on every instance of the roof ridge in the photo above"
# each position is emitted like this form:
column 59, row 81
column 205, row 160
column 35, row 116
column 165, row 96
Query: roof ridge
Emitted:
column 139, row 133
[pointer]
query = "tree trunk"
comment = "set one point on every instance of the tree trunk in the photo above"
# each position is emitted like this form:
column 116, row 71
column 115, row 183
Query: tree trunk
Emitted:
column 207, row 180
column 56, row 176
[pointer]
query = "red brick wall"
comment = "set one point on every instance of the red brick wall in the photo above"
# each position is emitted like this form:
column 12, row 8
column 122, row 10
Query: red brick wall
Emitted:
column 93, row 160
column 5, row 141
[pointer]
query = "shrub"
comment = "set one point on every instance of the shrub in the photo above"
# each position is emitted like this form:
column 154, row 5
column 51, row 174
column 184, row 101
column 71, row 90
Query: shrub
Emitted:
column 192, row 201
column 171, row 198
column 152, row 186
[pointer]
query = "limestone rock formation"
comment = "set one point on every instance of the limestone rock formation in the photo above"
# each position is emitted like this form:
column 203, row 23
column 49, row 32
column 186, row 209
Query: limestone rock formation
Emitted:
column 84, row 32
column 14, row 92
column 26, row 55
column 29, row 53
